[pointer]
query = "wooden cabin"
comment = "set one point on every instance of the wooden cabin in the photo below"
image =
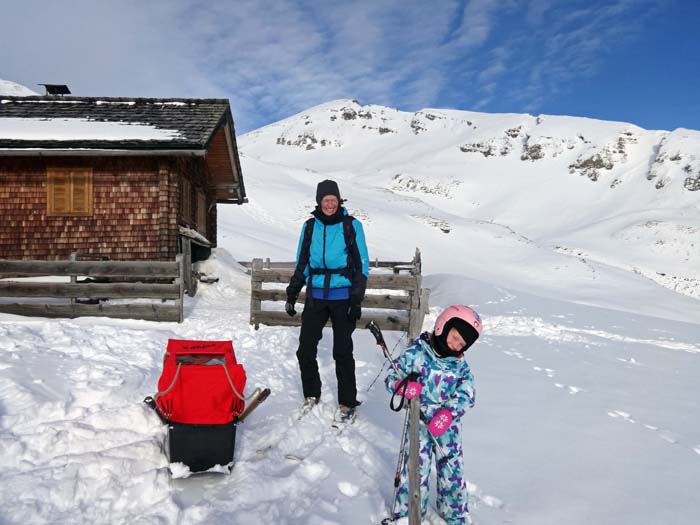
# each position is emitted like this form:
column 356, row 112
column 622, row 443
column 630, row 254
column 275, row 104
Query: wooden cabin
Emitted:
column 121, row 178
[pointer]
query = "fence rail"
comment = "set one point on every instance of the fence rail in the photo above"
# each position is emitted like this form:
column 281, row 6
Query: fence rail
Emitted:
column 114, row 270
column 395, row 301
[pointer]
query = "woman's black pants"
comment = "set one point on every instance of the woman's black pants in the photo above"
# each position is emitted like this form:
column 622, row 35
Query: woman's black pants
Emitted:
column 313, row 319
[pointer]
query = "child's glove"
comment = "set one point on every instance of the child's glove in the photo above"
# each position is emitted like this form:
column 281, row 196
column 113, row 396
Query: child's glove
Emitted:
column 440, row 423
column 409, row 389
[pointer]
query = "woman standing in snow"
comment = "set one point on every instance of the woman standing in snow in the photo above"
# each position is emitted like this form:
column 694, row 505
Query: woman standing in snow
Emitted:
column 333, row 263
column 435, row 371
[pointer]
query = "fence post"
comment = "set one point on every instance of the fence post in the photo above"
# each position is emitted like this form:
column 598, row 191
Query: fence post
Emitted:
column 190, row 283
column 255, row 286
column 73, row 278
column 179, row 281
column 414, row 499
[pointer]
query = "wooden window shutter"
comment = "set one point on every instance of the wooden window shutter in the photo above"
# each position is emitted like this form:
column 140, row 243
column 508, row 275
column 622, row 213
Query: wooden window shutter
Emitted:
column 59, row 194
column 81, row 193
column 69, row 192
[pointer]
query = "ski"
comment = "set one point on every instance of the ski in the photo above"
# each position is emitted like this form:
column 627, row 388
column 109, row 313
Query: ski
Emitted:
column 309, row 404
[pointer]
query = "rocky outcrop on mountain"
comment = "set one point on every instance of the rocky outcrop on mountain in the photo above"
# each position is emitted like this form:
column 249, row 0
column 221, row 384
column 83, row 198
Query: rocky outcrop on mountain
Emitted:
column 403, row 182
column 615, row 151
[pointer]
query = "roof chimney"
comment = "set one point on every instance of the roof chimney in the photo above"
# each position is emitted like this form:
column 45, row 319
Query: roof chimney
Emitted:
column 56, row 89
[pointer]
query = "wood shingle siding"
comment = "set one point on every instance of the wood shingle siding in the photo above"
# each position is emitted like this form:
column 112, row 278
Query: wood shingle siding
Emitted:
column 135, row 205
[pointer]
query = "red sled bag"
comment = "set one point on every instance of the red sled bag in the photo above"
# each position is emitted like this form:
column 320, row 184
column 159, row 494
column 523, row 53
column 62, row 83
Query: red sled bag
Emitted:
column 201, row 384
column 200, row 396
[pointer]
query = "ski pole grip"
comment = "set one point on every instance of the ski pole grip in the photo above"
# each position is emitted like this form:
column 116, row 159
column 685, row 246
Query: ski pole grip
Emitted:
column 376, row 332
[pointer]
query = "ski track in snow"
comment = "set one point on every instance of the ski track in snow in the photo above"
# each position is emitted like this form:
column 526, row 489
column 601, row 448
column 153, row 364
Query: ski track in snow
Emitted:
column 523, row 326
column 536, row 327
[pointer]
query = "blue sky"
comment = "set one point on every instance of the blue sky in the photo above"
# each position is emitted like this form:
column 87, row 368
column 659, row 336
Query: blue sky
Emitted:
column 627, row 60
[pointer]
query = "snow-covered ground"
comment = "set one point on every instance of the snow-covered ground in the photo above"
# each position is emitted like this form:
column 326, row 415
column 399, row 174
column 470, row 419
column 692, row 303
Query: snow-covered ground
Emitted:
column 587, row 405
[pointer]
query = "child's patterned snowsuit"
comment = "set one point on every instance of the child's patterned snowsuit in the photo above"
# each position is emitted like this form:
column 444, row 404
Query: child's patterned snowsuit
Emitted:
column 447, row 383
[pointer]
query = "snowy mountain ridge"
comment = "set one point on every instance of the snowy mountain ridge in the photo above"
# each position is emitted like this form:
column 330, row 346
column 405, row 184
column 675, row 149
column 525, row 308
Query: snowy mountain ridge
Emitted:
column 13, row 89
column 600, row 150
column 602, row 193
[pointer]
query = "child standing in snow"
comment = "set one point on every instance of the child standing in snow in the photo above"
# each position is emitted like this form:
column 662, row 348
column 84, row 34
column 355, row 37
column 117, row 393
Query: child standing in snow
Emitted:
column 435, row 371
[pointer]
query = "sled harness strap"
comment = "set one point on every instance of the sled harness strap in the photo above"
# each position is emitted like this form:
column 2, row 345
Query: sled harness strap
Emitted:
column 177, row 373
column 235, row 391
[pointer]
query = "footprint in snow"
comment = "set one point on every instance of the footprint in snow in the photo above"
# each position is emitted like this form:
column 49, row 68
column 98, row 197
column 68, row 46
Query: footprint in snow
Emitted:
column 667, row 436
column 548, row 371
column 348, row 489
column 573, row 390
column 314, row 471
column 476, row 493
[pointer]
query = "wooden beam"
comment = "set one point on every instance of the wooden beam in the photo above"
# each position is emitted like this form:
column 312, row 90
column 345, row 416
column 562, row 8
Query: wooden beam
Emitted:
column 375, row 281
column 92, row 290
column 386, row 301
column 372, row 265
column 386, row 322
column 148, row 312
column 132, row 269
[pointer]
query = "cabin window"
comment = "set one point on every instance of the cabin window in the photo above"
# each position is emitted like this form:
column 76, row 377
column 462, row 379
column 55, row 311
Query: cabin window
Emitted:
column 201, row 212
column 69, row 191
column 186, row 200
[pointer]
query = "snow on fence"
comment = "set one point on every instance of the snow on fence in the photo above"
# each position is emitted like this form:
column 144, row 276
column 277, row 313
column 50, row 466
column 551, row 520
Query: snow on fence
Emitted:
column 394, row 298
column 121, row 276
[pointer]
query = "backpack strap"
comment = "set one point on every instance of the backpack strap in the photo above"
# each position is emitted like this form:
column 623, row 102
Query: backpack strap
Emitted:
column 354, row 258
column 355, row 275
column 296, row 283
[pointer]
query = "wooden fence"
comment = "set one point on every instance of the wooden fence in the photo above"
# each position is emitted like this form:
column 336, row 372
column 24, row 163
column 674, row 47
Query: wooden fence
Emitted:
column 121, row 276
column 394, row 298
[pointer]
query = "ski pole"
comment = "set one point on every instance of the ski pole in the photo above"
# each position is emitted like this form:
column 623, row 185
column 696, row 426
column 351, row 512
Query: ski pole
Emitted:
column 377, row 333
column 402, row 453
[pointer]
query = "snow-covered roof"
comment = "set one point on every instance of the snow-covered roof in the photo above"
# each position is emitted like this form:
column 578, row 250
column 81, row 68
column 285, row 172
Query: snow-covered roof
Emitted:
column 90, row 123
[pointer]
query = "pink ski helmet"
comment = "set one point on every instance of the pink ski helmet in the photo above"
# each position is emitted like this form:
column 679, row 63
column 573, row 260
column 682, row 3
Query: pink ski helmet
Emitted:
column 465, row 320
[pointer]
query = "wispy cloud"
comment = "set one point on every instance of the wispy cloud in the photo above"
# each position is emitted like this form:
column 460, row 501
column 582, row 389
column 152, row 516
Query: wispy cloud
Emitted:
column 273, row 58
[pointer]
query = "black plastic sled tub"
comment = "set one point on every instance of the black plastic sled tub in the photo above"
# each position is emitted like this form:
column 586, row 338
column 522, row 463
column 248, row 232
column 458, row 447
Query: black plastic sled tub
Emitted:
column 202, row 448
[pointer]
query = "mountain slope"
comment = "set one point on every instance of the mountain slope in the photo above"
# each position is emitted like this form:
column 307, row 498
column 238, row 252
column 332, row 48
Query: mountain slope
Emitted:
column 589, row 196
column 12, row 89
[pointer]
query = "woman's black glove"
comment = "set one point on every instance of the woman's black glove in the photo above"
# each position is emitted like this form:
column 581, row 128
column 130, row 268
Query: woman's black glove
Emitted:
column 289, row 306
column 354, row 311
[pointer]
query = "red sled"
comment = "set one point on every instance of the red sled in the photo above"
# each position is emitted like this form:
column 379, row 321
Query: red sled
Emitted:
column 200, row 397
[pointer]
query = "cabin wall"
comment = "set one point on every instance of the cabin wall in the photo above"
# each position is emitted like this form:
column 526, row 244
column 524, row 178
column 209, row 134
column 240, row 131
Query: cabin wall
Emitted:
column 135, row 207
column 197, row 173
